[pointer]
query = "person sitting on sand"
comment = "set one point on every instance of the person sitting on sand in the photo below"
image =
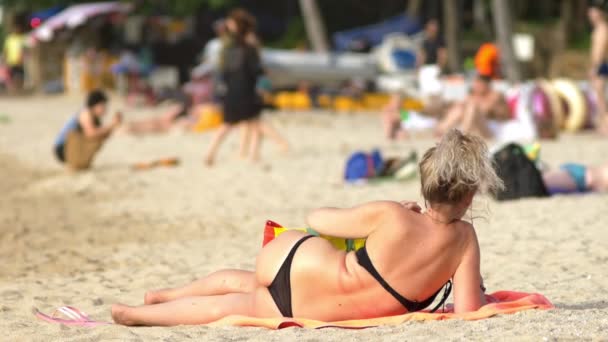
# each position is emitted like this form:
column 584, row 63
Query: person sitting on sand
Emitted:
column 198, row 91
column 472, row 114
column 576, row 178
column 408, row 257
column 83, row 135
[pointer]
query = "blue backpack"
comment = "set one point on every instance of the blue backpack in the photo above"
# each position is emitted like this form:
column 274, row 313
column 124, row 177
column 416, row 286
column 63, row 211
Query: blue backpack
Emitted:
column 361, row 165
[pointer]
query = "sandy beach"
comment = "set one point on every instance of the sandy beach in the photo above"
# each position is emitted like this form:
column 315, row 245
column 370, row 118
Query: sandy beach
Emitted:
column 109, row 234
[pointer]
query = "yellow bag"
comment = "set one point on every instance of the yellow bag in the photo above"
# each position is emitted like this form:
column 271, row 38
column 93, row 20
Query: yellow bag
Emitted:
column 209, row 117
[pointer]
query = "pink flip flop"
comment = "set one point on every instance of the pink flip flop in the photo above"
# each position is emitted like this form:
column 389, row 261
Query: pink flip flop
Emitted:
column 74, row 316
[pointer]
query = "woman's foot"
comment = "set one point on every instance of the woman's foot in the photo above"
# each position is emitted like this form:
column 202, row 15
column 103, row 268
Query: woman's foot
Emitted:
column 120, row 314
column 208, row 161
column 155, row 297
column 284, row 148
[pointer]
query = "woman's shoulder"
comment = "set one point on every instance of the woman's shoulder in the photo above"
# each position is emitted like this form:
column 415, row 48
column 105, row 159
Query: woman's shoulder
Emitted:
column 466, row 231
column 83, row 114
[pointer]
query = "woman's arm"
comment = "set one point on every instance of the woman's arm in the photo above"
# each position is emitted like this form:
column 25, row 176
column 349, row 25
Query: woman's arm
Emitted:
column 353, row 223
column 468, row 293
column 89, row 129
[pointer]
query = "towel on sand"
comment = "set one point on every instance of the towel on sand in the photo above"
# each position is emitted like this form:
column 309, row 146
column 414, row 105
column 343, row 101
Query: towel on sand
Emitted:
column 503, row 302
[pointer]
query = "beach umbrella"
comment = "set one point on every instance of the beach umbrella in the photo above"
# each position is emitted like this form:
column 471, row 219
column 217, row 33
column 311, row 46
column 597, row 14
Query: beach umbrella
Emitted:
column 75, row 16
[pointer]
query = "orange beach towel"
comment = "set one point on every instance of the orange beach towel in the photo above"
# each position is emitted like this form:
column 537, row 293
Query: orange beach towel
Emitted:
column 502, row 302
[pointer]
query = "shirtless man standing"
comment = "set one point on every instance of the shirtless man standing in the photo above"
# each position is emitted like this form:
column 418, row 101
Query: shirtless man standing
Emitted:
column 599, row 65
column 472, row 114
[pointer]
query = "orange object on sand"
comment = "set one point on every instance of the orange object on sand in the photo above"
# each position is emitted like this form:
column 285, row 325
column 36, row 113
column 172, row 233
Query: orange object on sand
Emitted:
column 166, row 162
column 209, row 117
column 487, row 60
column 502, row 302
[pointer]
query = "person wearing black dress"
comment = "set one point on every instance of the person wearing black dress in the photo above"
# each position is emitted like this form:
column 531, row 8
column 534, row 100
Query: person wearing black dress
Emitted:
column 240, row 67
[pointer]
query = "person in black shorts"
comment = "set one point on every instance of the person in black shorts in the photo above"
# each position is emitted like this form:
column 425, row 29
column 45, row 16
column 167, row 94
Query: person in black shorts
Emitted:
column 240, row 67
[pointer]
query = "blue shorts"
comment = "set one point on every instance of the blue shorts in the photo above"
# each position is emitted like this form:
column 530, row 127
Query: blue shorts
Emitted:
column 578, row 173
column 602, row 70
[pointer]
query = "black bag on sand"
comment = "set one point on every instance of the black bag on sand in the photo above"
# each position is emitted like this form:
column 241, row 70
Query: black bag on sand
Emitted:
column 519, row 174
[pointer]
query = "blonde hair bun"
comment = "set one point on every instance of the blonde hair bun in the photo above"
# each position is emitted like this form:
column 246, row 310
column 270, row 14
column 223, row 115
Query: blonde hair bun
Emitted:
column 460, row 165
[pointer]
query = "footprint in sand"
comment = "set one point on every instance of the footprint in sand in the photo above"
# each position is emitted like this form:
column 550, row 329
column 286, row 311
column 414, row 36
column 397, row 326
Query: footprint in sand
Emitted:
column 11, row 295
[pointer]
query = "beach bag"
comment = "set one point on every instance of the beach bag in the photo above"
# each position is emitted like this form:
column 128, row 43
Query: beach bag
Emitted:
column 518, row 173
column 361, row 165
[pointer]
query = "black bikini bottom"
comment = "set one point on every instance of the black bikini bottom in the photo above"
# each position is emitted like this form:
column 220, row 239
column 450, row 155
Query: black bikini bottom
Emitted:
column 280, row 288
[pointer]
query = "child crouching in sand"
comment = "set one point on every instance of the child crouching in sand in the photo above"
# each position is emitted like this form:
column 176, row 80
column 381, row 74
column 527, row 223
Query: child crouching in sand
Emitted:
column 408, row 257
column 83, row 135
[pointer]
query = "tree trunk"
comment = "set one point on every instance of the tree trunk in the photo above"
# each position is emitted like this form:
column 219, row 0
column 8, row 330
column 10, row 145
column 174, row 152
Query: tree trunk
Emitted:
column 480, row 17
column 580, row 17
column 315, row 29
column 504, row 33
column 451, row 16
column 413, row 8
column 564, row 31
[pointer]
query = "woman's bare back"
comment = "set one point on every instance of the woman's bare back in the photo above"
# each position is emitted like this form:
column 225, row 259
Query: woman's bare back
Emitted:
column 413, row 254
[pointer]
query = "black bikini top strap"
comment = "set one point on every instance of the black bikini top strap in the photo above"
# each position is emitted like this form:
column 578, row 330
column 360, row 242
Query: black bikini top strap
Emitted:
column 446, row 294
column 365, row 261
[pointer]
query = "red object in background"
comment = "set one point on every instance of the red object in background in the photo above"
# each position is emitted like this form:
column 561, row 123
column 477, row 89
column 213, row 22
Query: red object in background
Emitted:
column 35, row 22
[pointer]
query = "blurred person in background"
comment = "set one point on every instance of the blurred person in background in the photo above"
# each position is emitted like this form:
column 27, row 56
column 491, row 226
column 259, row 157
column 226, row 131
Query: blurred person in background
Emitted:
column 213, row 48
column 599, row 63
column 433, row 51
column 13, row 53
column 83, row 135
column 240, row 68
column 185, row 101
column 472, row 115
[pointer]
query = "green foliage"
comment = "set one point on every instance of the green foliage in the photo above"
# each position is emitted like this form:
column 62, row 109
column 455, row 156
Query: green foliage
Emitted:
column 581, row 42
column 183, row 7
column 294, row 36
column 533, row 26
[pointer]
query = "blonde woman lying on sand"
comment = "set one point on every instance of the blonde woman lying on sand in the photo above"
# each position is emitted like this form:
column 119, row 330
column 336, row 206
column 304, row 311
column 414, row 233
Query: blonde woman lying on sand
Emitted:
column 408, row 257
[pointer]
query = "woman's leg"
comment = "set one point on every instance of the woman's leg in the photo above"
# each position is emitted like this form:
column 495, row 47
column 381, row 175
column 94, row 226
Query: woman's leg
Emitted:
column 158, row 124
column 217, row 283
column 390, row 121
column 80, row 150
column 268, row 130
column 452, row 118
column 187, row 311
column 256, row 135
column 245, row 139
column 217, row 140
column 599, row 86
column 559, row 180
column 597, row 178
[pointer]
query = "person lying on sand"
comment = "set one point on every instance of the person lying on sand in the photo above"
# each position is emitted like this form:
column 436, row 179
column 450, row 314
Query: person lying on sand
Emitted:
column 577, row 178
column 83, row 135
column 472, row 114
column 198, row 91
column 408, row 257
